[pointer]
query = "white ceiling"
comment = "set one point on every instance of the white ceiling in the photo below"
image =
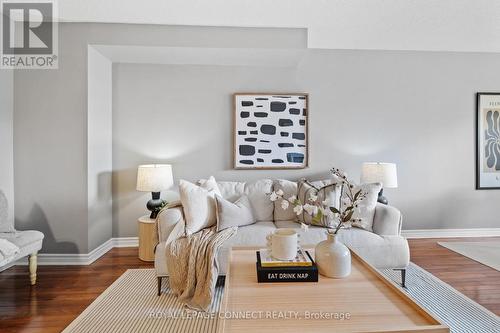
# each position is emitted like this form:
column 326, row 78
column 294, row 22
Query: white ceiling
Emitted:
column 430, row 25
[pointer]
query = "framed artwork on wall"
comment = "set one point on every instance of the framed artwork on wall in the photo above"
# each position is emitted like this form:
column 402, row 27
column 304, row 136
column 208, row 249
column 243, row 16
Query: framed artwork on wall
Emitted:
column 488, row 141
column 271, row 131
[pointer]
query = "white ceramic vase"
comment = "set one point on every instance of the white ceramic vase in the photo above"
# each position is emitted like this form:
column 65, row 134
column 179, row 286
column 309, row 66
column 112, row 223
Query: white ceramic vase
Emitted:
column 333, row 258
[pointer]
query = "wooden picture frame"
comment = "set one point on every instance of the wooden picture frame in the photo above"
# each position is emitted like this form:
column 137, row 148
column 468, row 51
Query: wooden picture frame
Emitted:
column 487, row 141
column 270, row 130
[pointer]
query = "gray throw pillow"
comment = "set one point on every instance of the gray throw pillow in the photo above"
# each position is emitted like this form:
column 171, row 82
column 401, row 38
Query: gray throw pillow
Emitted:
column 235, row 214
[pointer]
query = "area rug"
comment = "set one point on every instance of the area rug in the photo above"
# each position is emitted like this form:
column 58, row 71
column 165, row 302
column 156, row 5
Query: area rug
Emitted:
column 487, row 252
column 130, row 304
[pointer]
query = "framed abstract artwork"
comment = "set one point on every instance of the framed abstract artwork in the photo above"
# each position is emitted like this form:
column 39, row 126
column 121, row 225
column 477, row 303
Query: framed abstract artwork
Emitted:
column 271, row 131
column 488, row 141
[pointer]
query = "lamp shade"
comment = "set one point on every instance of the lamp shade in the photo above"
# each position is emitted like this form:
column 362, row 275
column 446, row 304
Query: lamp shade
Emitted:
column 385, row 173
column 154, row 177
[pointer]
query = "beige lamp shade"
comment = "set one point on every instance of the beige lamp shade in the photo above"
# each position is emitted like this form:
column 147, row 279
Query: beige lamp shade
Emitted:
column 154, row 177
column 385, row 173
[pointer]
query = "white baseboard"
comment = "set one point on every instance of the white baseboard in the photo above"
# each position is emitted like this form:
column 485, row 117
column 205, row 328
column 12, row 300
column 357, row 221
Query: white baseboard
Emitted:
column 125, row 242
column 451, row 233
column 82, row 259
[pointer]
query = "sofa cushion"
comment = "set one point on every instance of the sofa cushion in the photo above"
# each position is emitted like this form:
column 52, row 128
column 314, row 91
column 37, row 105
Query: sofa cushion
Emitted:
column 289, row 189
column 258, row 193
column 312, row 236
column 251, row 235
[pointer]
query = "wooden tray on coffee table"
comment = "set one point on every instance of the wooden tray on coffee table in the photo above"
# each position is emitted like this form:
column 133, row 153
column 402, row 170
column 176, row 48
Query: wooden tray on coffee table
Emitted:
column 373, row 303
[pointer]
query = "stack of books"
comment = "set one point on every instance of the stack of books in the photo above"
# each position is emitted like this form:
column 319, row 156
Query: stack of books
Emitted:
column 300, row 269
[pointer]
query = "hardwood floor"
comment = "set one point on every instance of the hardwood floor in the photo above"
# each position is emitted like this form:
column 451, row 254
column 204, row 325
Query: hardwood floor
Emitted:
column 63, row 292
column 479, row 282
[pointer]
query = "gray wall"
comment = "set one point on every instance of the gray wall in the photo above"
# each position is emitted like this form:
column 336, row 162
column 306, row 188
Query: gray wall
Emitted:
column 412, row 108
column 6, row 138
column 51, row 132
column 99, row 149
column 50, row 147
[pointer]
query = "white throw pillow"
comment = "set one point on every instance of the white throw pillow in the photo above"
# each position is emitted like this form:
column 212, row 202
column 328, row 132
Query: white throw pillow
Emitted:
column 258, row 193
column 366, row 208
column 235, row 214
column 198, row 204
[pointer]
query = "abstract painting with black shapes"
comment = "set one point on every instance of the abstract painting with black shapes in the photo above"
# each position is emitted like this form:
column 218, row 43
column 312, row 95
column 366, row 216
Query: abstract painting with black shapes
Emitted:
column 270, row 131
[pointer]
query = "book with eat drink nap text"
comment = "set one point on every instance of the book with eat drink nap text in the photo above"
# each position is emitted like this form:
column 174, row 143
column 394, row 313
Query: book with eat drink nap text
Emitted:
column 287, row 273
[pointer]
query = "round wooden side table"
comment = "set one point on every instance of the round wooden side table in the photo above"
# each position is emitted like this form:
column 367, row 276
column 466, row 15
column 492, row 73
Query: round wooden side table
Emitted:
column 148, row 238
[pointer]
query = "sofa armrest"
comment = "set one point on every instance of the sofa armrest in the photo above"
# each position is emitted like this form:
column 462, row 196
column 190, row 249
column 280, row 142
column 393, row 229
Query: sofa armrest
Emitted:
column 387, row 220
column 168, row 220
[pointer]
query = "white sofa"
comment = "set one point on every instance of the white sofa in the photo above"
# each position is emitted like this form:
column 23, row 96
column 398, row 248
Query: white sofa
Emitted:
column 383, row 248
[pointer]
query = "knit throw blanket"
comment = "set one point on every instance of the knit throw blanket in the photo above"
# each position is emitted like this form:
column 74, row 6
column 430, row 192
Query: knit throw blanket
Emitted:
column 192, row 266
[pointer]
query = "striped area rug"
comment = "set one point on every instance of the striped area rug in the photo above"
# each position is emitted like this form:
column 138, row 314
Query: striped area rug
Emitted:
column 460, row 313
column 130, row 304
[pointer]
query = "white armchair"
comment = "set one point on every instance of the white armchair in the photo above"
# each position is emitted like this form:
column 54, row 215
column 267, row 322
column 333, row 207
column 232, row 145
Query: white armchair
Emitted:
column 15, row 244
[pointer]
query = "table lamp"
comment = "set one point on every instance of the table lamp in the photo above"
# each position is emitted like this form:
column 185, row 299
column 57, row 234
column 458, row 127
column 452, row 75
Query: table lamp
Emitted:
column 384, row 173
column 154, row 178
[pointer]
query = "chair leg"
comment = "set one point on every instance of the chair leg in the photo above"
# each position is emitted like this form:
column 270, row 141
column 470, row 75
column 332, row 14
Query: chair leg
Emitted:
column 159, row 285
column 32, row 267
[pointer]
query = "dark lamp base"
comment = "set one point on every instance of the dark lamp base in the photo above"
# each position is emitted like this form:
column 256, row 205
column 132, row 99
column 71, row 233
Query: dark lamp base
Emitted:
column 154, row 204
column 381, row 198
